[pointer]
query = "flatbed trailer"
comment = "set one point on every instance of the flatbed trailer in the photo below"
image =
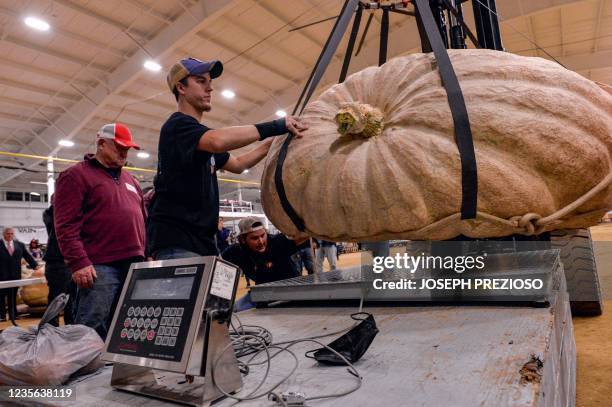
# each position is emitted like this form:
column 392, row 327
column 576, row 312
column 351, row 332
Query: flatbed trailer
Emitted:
column 423, row 356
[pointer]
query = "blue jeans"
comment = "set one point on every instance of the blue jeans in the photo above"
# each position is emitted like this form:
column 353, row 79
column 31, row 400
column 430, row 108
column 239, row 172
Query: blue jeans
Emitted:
column 94, row 307
column 174, row 253
column 303, row 258
column 244, row 303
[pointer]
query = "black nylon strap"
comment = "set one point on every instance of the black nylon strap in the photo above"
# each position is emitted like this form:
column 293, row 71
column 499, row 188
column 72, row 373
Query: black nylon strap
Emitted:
column 384, row 37
column 351, row 44
column 461, row 121
column 313, row 81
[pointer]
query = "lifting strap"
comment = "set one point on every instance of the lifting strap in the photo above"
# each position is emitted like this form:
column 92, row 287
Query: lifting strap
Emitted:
column 329, row 49
column 461, row 121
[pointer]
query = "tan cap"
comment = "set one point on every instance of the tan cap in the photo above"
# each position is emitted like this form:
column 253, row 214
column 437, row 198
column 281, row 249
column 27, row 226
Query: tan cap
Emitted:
column 250, row 224
column 192, row 66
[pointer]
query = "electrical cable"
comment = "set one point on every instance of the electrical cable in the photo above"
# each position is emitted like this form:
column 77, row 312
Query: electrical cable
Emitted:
column 254, row 340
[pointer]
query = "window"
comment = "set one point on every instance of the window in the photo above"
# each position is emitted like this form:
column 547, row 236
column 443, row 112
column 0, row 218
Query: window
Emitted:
column 32, row 197
column 14, row 196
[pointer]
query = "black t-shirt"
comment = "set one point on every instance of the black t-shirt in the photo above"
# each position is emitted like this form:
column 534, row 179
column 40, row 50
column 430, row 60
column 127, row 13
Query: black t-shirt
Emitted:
column 272, row 265
column 185, row 210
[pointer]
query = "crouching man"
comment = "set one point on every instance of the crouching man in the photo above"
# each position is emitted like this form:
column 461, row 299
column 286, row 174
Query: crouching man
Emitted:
column 262, row 257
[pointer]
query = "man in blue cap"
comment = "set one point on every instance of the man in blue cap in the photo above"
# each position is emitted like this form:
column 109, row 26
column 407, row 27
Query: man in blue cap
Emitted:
column 183, row 215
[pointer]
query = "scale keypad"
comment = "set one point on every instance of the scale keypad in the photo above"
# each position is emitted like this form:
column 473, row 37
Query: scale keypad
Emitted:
column 144, row 324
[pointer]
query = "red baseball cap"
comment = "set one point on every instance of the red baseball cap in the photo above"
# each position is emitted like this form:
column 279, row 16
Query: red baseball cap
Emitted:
column 119, row 133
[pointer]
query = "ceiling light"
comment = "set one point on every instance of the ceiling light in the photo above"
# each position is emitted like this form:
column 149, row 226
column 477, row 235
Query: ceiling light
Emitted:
column 228, row 94
column 34, row 193
column 37, row 23
column 38, row 183
column 245, row 171
column 152, row 66
column 143, row 154
column 66, row 143
column 281, row 113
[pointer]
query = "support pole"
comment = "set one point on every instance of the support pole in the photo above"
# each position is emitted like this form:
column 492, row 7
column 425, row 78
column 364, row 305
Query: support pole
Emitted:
column 50, row 180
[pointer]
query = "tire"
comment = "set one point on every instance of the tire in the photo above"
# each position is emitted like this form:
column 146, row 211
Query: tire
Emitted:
column 580, row 269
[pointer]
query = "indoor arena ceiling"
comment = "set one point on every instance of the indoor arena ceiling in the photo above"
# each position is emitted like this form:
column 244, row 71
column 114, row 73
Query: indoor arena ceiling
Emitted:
column 87, row 68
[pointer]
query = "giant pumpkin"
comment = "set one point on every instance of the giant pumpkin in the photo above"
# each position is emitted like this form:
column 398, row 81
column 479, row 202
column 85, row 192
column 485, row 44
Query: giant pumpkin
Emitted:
column 379, row 160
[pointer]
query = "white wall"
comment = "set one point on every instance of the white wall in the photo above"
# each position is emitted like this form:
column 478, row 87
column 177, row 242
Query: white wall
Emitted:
column 26, row 218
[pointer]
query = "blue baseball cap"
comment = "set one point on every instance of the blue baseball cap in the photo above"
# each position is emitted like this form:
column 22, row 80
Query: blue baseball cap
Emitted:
column 192, row 66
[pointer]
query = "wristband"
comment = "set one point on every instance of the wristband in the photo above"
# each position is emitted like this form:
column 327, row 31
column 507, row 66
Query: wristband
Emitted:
column 276, row 127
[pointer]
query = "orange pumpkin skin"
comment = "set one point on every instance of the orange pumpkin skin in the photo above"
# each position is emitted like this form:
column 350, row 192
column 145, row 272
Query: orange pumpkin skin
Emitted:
column 542, row 136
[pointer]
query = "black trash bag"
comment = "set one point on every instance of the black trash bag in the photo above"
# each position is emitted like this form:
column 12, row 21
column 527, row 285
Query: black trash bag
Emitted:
column 352, row 345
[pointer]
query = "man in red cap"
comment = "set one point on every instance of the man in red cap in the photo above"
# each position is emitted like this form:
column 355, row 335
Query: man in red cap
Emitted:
column 99, row 223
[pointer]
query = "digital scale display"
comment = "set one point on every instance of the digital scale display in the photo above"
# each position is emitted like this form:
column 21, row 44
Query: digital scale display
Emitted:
column 162, row 304
column 163, row 288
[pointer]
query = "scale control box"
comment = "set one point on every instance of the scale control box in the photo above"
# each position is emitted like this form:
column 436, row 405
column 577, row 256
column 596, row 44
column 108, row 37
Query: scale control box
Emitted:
column 165, row 307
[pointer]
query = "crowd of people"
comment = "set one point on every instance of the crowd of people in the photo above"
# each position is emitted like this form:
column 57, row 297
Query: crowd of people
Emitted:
column 100, row 222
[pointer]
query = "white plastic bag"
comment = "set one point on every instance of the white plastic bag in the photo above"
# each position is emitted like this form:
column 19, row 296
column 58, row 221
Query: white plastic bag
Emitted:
column 48, row 355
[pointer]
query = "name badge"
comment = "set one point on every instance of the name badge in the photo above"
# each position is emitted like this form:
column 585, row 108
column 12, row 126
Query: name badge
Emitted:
column 131, row 187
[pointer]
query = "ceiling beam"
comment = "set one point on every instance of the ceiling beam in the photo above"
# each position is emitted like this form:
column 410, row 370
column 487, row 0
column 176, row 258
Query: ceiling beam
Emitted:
column 188, row 23
column 109, row 21
column 271, row 43
column 57, row 54
column 38, row 89
column 88, row 41
column 290, row 24
column 404, row 37
column 228, row 45
column 589, row 61
column 28, row 104
column 151, row 12
column 20, row 119
column 26, row 67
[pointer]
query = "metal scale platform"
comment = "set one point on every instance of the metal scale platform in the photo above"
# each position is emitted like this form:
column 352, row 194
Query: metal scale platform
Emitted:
column 169, row 328
column 357, row 283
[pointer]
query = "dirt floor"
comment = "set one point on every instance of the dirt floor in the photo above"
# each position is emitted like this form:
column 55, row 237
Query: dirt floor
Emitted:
column 593, row 335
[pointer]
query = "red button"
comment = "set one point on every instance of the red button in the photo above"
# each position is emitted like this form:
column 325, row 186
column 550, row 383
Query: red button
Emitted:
column 151, row 335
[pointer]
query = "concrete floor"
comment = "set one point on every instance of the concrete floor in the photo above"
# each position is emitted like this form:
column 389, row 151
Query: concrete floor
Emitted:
column 593, row 334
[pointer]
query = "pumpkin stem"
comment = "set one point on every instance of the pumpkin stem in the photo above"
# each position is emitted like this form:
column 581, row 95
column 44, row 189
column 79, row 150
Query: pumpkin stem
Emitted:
column 359, row 119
